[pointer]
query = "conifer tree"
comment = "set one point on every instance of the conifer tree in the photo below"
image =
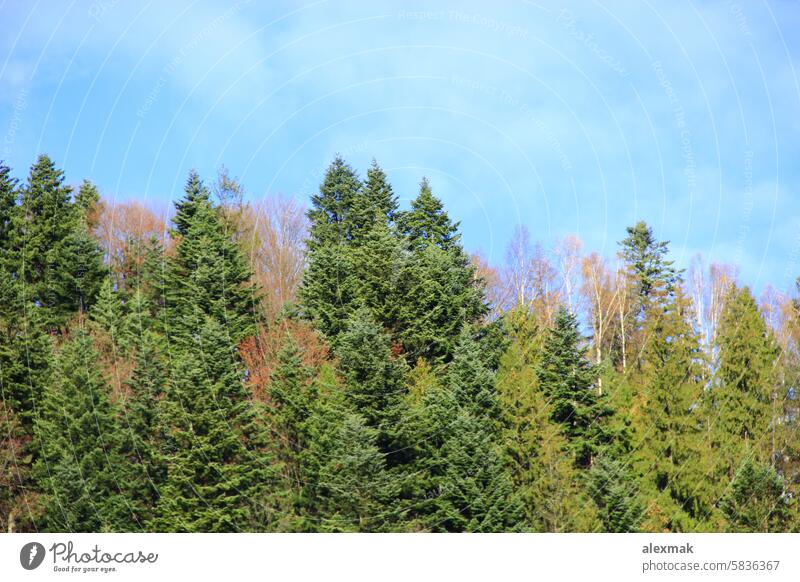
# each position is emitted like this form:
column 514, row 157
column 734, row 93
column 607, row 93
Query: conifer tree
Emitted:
column 544, row 477
column 567, row 379
column 373, row 377
column 374, row 205
column 614, row 492
column 80, row 468
column 329, row 287
column 756, row 501
column 347, row 485
column 208, row 275
column 740, row 401
column 437, row 289
column 221, row 473
column 645, row 256
column 669, row 449
column 8, row 199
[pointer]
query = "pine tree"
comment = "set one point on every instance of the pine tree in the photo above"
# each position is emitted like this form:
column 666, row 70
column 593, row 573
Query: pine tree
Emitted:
column 567, row 379
column 80, row 470
column 221, row 474
column 756, row 501
column 740, row 400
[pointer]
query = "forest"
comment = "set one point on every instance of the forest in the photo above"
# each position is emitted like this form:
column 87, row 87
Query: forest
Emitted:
column 232, row 365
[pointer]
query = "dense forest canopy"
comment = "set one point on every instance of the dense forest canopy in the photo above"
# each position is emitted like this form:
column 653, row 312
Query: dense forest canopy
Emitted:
column 256, row 367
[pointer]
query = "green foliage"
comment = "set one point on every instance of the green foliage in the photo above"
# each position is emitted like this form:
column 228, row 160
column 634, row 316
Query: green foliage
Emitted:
column 208, row 276
column 568, row 380
column 745, row 381
column 80, row 470
column 756, row 501
column 215, row 447
column 645, row 256
column 614, row 492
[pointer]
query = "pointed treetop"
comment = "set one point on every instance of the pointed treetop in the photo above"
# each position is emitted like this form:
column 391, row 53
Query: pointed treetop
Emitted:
column 195, row 193
column 427, row 223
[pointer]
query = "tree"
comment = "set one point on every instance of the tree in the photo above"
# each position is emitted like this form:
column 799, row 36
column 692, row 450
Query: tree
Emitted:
column 220, row 473
column 567, row 378
column 373, row 378
column 51, row 253
column 756, row 501
column 8, row 199
column 645, row 256
column 614, row 492
column 328, row 290
column 544, row 477
column 347, row 485
column 207, row 276
column 80, row 469
column 427, row 223
column 745, row 382
column 670, row 454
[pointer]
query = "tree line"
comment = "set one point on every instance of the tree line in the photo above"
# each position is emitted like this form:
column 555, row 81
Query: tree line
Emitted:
column 253, row 367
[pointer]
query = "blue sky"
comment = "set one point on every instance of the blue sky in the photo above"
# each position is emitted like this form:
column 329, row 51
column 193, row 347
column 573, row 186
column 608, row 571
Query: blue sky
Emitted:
column 569, row 117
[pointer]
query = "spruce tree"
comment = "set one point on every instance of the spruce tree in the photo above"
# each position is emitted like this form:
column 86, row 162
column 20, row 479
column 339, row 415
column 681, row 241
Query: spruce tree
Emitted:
column 221, row 473
column 756, row 500
column 568, row 380
column 645, row 257
column 208, row 275
column 614, row 491
column 80, row 470
column 745, row 381
column 373, row 377
column 669, row 451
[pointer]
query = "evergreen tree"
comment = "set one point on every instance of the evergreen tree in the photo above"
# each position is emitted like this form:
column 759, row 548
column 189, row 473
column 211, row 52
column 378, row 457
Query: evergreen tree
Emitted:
column 329, row 288
column 373, row 377
column 221, row 474
column 374, row 205
column 208, row 275
column 567, row 379
column 437, row 289
column 8, row 200
column 87, row 204
column 669, row 449
column 740, row 415
column 347, row 485
column 756, row 501
column 427, row 223
column 645, row 256
column 543, row 475
column 614, row 492
column 80, row 470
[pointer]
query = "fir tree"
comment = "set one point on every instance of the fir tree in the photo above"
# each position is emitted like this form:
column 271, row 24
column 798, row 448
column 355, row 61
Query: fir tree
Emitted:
column 614, row 492
column 208, row 275
column 756, row 501
column 645, row 256
column 427, row 223
column 80, row 470
column 740, row 414
column 374, row 378
column 220, row 473
column 8, row 199
column 567, row 379
column 543, row 475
